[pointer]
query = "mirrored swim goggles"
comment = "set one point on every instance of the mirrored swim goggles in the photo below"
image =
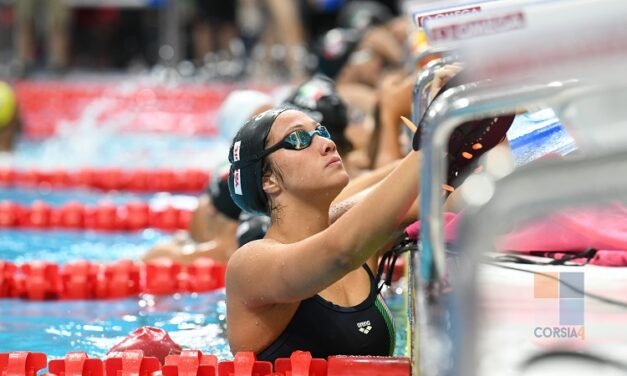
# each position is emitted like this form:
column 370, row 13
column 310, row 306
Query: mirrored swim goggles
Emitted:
column 298, row 140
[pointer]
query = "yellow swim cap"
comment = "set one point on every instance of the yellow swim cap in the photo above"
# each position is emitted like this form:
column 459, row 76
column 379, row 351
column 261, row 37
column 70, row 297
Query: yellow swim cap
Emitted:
column 7, row 104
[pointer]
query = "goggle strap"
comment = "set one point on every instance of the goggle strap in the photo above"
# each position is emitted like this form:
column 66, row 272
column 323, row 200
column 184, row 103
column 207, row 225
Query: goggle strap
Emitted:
column 257, row 157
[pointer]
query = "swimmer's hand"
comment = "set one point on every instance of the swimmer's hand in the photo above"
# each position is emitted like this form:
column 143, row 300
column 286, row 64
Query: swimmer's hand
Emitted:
column 442, row 76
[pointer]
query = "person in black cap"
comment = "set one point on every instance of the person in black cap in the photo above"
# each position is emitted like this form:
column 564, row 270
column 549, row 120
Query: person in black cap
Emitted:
column 308, row 285
column 212, row 230
column 366, row 42
column 350, row 125
column 217, row 228
column 351, row 56
column 358, row 61
column 318, row 98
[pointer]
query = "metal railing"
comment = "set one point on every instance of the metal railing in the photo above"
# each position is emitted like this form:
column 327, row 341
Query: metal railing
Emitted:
column 525, row 194
column 420, row 92
column 452, row 108
column 497, row 57
column 456, row 106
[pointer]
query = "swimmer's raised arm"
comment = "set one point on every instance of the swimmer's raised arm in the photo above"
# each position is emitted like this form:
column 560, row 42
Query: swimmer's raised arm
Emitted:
column 365, row 181
column 395, row 98
column 285, row 273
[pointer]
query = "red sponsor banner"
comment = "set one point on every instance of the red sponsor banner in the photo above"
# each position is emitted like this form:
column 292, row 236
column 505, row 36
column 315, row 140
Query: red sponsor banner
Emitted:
column 420, row 18
column 479, row 27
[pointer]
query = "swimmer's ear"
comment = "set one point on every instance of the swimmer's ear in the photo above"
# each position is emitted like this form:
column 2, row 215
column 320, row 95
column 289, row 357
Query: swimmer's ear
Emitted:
column 270, row 184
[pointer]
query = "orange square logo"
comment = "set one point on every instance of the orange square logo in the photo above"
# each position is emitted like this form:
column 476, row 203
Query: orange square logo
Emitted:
column 546, row 286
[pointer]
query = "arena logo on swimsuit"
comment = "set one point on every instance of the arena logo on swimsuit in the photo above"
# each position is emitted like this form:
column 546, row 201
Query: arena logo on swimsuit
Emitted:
column 560, row 305
column 364, row 326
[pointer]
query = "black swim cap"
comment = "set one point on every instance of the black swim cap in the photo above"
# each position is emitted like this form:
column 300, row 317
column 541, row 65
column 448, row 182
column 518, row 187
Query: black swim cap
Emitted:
column 218, row 190
column 360, row 15
column 334, row 48
column 247, row 163
column 319, row 99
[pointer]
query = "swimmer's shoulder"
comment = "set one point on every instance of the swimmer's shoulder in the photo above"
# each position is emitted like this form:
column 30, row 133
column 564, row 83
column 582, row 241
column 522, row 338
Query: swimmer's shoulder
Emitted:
column 250, row 262
column 244, row 255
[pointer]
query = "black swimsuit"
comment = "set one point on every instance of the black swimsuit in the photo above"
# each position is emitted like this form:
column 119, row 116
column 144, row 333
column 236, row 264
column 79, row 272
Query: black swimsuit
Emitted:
column 325, row 329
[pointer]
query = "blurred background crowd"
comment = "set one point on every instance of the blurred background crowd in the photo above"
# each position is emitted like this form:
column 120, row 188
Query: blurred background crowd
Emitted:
column 204, row 39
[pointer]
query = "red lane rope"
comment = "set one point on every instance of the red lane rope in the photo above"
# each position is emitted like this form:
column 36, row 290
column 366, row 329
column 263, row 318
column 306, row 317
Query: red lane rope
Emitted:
column 105, row 216
column 195, row 363
column 186, row 109
column 42, row 280
column 158, row 180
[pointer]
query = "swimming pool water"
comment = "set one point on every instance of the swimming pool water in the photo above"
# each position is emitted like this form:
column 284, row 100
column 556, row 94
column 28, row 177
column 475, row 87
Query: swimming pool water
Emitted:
column 196, row 321
column 55, row 198
column 60, row 246
column 105, row 149
column 537, row 134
